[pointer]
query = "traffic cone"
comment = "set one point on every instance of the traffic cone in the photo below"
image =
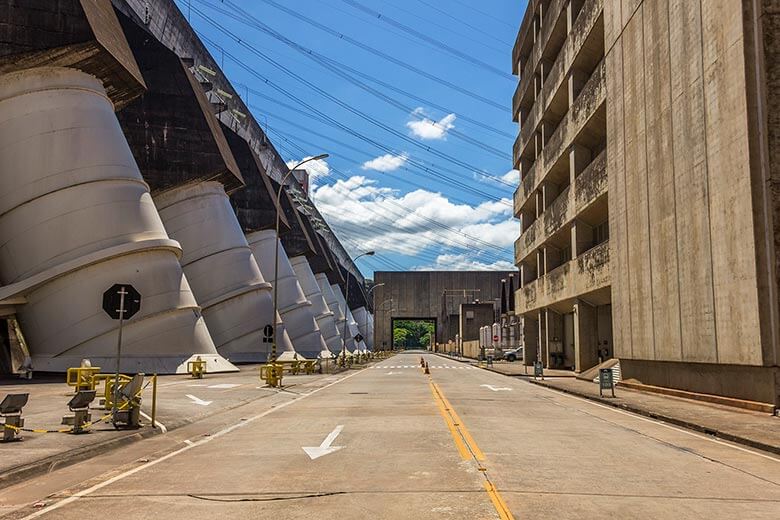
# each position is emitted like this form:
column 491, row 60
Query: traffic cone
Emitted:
column 426, row 369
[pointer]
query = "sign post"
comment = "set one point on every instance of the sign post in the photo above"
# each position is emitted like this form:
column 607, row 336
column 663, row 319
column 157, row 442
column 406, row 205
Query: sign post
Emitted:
column 120, row 302
column 606, row 381
column 538, row 370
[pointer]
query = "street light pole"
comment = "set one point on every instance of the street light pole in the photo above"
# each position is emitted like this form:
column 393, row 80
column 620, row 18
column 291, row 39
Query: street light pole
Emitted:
column 346, row 309
column 278, row 239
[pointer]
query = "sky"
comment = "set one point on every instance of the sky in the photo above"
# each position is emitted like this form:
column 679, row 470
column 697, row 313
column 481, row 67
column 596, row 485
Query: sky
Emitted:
column 412, row 101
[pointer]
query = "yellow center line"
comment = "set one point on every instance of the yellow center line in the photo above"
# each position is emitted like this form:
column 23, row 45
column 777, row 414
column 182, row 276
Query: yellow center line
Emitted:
column 468, row 448
column 464, row 452
column 472, row 444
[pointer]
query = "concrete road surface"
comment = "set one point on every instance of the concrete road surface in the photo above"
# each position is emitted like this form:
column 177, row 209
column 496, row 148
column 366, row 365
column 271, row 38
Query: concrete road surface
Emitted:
column 390, row 442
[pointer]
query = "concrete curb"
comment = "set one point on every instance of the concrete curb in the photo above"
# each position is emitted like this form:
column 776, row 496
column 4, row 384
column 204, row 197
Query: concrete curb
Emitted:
column 641, row 411
column 36, row 468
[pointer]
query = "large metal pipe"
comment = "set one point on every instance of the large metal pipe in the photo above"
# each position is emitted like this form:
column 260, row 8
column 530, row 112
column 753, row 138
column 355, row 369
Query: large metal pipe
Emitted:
column 224, row 274
column 361, row 315
column 333, row 305
column 322, row 313
column 77, row 217
column 295, row 308
column 352, row 328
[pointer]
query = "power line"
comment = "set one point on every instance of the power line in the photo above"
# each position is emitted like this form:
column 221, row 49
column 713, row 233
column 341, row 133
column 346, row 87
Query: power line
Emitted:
column 424, row 37
column 431, row 171
column 385, row 56
column 313, row 55
column 453, row 31
column 470, row 5
column 472, row 27
column 468, row 245
column 349, row 108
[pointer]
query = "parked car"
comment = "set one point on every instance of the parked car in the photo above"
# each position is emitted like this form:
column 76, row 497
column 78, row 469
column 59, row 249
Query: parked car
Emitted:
column 514, row 354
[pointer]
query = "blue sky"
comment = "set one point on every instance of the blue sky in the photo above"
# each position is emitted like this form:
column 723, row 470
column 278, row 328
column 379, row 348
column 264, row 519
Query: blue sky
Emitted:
column 427, row 187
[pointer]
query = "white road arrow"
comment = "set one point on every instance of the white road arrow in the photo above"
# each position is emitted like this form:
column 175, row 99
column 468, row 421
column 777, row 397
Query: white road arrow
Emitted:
column 325, row 448
column 496, row 389
column 198, row 401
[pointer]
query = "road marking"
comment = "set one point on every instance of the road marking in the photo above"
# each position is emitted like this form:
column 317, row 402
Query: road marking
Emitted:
column 390, row 373
column 189, row 442
column 325, row 448
column 201, row 402
column 466, row 443
column 501, row 508
column 464, row 453
column 189, row 446
column 224, row 386
column 660, row 423
column 156, row 422
column 496, row 389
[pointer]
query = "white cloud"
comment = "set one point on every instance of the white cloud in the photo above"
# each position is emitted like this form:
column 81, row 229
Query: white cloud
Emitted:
column 464, row 262
column 317, row 169
column 379, row 218
column 428, row 129
column 386, row 163
column 512, row 177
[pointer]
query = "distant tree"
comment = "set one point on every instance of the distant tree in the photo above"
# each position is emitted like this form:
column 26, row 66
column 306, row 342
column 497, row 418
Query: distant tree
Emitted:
column 413, row 334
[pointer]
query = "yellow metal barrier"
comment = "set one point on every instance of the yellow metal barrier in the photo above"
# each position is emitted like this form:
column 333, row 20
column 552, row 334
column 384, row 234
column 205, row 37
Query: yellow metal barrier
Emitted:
column 82, row 378
column 272, row 374
column 196, row 368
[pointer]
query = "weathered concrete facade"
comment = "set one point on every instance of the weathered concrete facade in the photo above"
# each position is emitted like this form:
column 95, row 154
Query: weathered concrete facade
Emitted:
column 563, row 252
column 685, row 101
column 694, row 268
column 433, row 295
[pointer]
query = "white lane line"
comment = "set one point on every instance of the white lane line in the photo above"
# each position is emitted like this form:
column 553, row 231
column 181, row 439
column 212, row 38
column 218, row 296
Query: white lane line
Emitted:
column 156, row 422
column 224, row 386
column 189, row 446
column 189, row 442
column 660, row 423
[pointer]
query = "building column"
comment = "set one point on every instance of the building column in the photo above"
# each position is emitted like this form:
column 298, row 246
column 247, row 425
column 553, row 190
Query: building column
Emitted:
column 576, row 81
column 581, row 238
column 572, row 10
column 553, row 337
column 585, row 336
column 579, row 159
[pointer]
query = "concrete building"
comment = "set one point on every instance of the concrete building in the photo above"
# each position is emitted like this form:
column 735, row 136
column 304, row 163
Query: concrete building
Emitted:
column 563, row 250
column 672, row 107
column 431, row 295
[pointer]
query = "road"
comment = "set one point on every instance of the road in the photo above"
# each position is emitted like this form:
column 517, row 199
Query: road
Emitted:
column 390, row 442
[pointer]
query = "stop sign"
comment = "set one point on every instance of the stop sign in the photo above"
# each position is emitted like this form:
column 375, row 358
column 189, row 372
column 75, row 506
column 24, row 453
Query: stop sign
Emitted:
column 112, row 299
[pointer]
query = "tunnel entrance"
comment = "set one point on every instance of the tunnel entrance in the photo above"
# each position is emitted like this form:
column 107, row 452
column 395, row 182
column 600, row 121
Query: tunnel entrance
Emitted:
column 413, row 333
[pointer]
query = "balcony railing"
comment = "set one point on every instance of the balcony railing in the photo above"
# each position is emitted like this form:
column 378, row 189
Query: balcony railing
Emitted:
column 582, row 28
column 580, row 276
column 589, row 186
column 587, row 103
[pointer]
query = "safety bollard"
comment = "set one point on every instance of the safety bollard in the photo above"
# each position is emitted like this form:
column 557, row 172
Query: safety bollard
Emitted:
column 272, row 374
column 427, row 371
column 422, row 362
column 196, row 368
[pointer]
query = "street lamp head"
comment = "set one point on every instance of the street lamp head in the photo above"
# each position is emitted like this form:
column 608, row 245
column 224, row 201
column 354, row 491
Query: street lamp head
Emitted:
column 320, row 156
column 370, row 253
